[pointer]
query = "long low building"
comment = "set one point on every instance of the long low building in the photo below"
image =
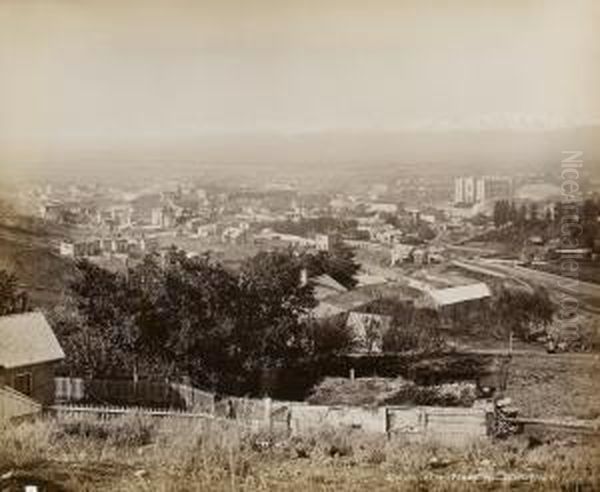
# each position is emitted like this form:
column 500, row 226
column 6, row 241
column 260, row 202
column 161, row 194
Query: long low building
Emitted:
column 459, row 302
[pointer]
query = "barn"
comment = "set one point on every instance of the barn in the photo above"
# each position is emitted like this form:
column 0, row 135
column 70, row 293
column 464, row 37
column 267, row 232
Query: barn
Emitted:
column 29, row 353
column 457, row 303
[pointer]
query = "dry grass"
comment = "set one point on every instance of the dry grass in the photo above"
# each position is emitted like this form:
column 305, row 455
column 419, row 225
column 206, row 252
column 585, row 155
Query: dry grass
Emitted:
column 136, row 454
column 561, row 385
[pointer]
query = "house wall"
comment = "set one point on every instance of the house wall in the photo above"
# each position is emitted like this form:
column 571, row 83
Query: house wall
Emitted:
column 15, row 405
column 42, row 380
column 464, row 310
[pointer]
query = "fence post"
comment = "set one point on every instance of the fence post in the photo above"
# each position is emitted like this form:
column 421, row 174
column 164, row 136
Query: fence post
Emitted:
column 267, row 416
column 386, row 423
column 352, row 374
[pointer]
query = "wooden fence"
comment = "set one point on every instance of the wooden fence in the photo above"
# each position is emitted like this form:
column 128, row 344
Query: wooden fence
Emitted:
column 14, row 404
column 573, row 427
column 450, row 426
column 108, row 412
column 105, row 412
column 130, row 393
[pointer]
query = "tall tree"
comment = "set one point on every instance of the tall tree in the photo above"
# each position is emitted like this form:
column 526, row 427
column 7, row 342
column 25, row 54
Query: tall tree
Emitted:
column 533, row 212
column 12, row 299
column 175, row 315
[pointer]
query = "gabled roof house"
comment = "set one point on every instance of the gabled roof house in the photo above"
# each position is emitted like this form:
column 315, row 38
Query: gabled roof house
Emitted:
column 29, row 352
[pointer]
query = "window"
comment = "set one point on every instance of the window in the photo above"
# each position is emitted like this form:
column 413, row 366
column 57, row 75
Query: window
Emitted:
column 23, row 383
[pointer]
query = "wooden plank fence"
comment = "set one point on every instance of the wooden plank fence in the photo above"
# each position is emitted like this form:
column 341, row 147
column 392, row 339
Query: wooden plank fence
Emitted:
column 450, row 426
column 575, row 426
column 105, row 412
column 131, row 393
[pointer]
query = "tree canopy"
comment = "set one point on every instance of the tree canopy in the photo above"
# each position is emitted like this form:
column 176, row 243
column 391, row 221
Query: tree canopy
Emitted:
column 174, row 315
column 12, row 298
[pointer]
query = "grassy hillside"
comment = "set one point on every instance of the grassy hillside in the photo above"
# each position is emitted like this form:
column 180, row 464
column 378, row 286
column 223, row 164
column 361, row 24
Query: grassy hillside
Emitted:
column 29, row 249
column 560, row 385
column 132, row 454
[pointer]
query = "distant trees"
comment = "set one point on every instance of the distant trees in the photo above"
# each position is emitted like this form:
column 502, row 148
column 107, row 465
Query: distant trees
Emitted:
column 590, row 212
column 507, row 212
column 533, row 212
column 521, row 311
column 583, row 217
column 339, row 263
column 319, row 225
column 501, row 213
column 425, row 232
column 410, row 328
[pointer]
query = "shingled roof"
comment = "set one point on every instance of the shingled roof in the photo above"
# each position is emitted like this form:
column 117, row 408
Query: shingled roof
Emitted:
column 27, row 339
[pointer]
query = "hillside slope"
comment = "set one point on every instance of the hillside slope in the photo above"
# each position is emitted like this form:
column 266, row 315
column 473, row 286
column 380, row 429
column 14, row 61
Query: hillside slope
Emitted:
column 28, row 248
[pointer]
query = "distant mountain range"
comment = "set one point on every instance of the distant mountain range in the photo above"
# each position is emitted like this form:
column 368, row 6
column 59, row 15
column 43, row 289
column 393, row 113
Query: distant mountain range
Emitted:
column 322, row 155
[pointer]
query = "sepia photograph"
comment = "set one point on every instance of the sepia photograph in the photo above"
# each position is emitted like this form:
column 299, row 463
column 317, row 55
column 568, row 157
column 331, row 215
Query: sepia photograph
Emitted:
column 282, row 245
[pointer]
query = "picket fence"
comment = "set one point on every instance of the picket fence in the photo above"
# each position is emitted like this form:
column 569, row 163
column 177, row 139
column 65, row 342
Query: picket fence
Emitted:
column 449, row 426
column 79, row 398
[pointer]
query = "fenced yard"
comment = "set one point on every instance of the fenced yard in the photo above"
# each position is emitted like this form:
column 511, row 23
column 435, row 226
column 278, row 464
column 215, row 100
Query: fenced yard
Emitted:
column 448, row 426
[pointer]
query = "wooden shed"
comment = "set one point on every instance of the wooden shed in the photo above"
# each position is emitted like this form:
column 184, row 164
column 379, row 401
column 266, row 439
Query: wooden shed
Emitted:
column 29, row 352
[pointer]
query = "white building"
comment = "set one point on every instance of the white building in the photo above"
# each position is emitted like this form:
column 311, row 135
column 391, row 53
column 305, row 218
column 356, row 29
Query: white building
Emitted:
column 470, row 190
column 383, row 207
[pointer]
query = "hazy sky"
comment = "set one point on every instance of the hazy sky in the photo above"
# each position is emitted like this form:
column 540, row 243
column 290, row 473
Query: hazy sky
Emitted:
column 100, row 72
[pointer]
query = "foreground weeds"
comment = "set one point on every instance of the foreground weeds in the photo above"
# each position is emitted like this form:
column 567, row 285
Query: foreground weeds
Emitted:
column 134, row 453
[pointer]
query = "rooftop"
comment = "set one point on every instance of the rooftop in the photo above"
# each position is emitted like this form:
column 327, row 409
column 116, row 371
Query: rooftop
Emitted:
column 27, row 339
column 454, row 295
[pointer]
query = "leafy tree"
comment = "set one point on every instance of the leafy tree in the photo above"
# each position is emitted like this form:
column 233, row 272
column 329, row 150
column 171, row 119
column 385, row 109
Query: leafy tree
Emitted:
column 96, row 323
column 501, row 213
column 422, row 334
column 329, row 336
column 12, row 299
column 425, row 232
column 339, row 263
column 519, row 310
column 512, row 212
column 411, row 328
column 522, row 215
column 174, row 315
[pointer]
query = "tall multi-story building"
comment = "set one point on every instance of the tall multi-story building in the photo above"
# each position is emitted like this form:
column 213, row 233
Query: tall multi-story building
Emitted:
column 464, row 189
column 470, row 190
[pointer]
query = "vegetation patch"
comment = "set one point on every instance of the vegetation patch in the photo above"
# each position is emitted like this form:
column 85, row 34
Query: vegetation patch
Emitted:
column 384, row 391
